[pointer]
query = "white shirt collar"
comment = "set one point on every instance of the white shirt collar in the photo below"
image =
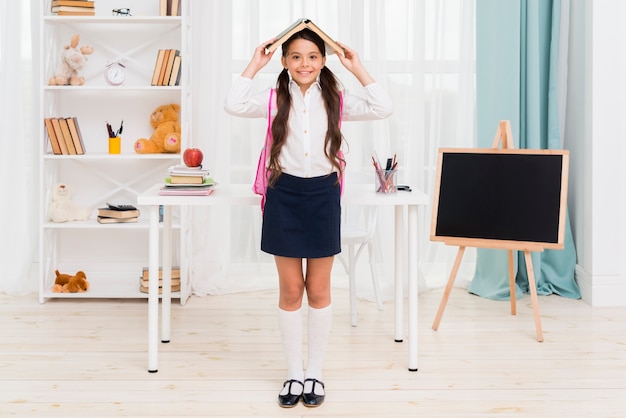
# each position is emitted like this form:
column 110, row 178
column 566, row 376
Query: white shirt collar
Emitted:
column 294, row 86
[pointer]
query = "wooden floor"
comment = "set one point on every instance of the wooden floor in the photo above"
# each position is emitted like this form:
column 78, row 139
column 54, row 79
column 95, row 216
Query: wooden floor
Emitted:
column 88, row 358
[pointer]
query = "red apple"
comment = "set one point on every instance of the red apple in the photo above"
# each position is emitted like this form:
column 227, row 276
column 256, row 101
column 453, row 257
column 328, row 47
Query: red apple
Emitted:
column 192, row 157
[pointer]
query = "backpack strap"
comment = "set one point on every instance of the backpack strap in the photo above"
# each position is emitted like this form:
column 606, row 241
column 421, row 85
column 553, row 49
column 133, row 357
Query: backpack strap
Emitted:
column 271, row 105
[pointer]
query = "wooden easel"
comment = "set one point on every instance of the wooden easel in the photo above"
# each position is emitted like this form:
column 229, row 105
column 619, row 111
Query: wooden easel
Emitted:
column 503, row 134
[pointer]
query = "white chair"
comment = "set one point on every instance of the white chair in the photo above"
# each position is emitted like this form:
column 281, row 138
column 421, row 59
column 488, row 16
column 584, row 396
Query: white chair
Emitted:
column 357, row 232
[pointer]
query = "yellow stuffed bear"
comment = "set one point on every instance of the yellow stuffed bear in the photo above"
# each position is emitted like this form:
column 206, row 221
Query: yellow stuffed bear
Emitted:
column 166, row 135
column 73, row 59
column 65, row 283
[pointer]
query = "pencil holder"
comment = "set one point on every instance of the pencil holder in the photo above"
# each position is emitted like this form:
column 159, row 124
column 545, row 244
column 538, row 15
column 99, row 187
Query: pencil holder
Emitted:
column 115, row 145
column 385, row 181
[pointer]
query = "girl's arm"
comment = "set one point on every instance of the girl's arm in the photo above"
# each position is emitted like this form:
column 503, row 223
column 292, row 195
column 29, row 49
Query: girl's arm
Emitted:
column 376, row 104
column 259, row 60
column 352, row 62
column 240, row 101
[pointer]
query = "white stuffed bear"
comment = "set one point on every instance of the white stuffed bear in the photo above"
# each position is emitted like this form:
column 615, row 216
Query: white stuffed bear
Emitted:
column 62, row 209
column 73, row 59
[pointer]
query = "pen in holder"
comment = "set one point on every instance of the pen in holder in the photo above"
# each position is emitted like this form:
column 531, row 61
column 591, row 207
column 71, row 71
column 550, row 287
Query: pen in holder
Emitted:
column 115, row 145
column 386, row 181
column 115, row 140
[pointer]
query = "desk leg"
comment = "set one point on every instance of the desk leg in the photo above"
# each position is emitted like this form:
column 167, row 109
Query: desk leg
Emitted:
column 153, row 291
column 413, row 287
column 166, row 298
column 398, row 273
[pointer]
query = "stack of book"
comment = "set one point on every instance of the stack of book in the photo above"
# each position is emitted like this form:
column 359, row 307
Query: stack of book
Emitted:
column 144, row 280
column 65, row 137
column 181, row 174
column 187, row 181
column 118, row 214
column 73, row 7
column 167, row 68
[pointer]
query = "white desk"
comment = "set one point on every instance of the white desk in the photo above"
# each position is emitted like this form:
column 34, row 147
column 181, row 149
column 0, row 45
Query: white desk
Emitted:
column 241, row 195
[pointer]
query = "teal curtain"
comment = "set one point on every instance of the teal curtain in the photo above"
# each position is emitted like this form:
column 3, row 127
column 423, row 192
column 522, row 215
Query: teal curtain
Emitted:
column 517, row 48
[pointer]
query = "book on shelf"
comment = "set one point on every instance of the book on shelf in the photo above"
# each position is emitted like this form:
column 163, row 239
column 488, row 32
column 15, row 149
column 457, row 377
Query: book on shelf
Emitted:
column 65, row 129
column 168, row 66
column 77, row 138
column 73, row 3
column 65, row 136
column 54, row 141
column 175, row 8
column 59, row 135
column 163, row 9
column 176, row 70
column 157, row 67
column 145, row 282
column 166, row 58
column 56, row 9
column 297, row 26
column 169, row 7
column 111, row 212
column 145, row 273
column 109, row 220
column 144, row 289
column 70, row 13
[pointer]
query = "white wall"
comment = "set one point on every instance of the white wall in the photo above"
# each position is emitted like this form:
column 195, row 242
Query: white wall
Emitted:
column 594, row 134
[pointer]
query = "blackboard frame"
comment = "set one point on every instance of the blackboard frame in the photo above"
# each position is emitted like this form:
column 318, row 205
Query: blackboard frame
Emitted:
column 505, row 179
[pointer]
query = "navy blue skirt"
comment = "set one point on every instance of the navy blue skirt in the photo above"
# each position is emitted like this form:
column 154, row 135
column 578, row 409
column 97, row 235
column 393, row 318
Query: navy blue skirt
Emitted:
column 302, row 217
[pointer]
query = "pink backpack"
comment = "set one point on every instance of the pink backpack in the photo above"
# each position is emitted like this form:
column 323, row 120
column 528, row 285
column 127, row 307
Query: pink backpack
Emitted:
column 262, row 172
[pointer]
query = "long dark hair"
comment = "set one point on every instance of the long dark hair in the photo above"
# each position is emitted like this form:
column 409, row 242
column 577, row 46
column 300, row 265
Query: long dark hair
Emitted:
column 332, row 103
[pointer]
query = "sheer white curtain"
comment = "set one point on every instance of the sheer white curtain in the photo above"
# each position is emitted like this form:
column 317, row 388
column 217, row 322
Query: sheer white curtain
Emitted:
column 422, row 51
column 18, row 158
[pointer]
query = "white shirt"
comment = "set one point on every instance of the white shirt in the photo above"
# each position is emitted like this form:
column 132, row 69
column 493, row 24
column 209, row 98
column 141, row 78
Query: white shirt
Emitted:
column 302, row 155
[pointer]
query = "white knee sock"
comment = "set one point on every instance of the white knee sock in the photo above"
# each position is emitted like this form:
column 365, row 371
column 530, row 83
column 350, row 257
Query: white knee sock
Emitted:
column 319, row 324
column 290, row 325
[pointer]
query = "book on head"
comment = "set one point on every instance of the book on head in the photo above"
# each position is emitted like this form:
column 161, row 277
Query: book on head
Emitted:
column 297, row 26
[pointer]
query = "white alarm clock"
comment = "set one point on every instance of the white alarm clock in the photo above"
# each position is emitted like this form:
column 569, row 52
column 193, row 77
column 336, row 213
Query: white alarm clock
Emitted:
column 115, row 73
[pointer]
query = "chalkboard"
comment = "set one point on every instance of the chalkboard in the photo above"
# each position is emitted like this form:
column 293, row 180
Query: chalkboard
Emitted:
column 500, row 198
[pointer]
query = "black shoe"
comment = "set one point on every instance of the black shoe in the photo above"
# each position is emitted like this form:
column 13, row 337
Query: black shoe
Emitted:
column 311, row 399
column 289, row 400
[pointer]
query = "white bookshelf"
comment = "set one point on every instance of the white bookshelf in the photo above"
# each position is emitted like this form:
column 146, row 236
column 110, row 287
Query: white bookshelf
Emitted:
column 111, row 255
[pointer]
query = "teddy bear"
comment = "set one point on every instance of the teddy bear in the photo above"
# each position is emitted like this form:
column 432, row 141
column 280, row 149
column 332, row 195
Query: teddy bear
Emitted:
column 65, row 283
column 63, row 209
column 166, row 135
column 73, row 59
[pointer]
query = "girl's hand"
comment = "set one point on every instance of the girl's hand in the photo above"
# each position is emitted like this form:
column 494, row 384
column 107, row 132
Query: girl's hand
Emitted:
column 350, row 59
column 259, row 59
column 352, row 62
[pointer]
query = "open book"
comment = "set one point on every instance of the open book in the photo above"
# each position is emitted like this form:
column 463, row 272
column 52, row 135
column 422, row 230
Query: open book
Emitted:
column 297, row 26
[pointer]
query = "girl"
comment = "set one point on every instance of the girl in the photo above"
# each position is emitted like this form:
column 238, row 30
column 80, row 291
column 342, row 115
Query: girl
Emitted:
column 302, row 213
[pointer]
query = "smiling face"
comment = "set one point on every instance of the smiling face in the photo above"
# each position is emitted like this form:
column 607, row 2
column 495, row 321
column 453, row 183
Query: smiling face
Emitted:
column 304, row 61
